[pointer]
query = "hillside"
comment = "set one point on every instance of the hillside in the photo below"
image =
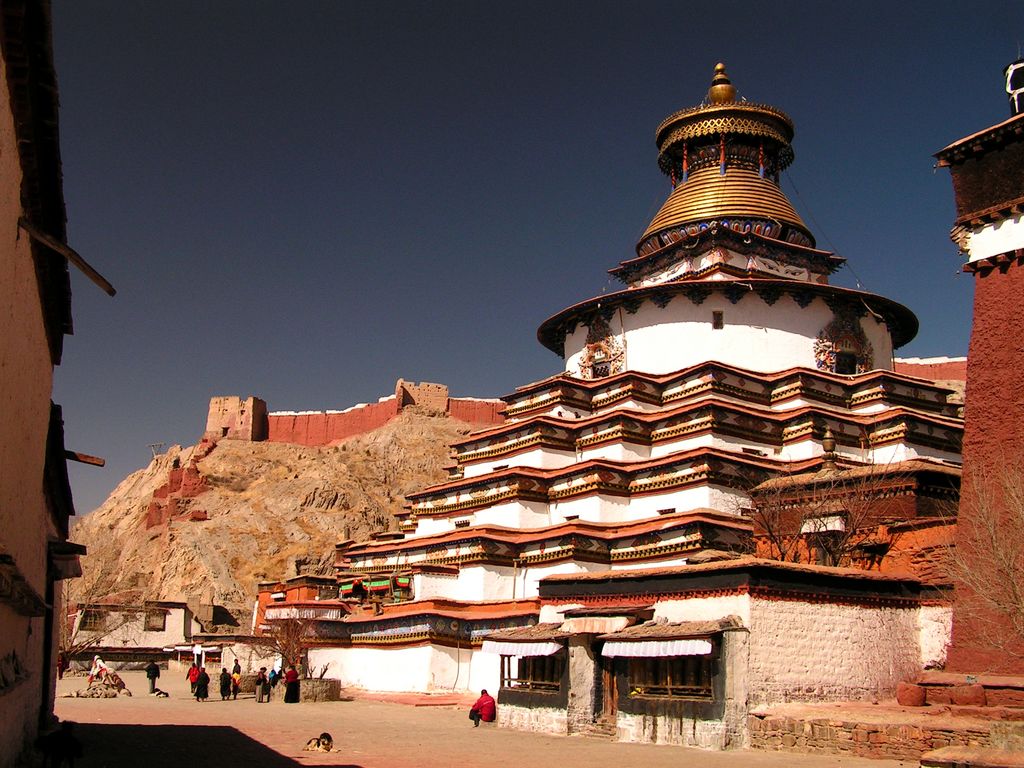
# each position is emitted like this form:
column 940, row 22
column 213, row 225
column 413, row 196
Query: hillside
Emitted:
column 268, row 509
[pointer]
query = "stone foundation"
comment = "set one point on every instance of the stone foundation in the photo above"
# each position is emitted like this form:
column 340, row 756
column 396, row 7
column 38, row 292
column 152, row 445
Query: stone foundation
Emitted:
column 676, row 731
column 849, row 737
column 538, row 720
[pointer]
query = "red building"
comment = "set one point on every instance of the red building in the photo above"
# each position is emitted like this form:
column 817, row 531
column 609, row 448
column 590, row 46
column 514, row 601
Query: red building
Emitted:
column 987, row 170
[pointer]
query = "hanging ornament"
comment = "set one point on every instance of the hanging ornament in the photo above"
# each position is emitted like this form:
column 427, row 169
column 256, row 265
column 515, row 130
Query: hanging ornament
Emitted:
column 672, row 176
column 760, row 160
column 721, row 156
column 686, row 164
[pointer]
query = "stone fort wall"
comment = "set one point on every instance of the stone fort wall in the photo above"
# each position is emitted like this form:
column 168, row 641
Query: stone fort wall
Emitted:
column 236, row 418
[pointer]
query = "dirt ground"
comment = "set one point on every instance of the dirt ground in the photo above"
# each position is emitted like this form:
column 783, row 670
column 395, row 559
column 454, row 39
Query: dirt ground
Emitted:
column 178, row 731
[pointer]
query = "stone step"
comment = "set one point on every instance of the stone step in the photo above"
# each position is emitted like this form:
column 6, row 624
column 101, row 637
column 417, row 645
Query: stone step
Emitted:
column 598, row 730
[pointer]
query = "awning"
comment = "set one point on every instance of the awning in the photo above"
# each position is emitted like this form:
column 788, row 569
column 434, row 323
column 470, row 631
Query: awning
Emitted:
column 657, row 648
column 545, row 648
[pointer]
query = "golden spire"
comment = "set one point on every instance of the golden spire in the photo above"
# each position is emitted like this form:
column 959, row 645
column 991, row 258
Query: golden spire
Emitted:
column 722, row 90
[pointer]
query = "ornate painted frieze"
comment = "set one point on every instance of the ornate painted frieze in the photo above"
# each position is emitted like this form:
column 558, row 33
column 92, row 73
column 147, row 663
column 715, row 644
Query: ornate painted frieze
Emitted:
column 604, row 354
column 843, row 336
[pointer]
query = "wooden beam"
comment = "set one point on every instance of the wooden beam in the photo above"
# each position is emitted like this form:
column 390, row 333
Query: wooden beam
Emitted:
column 85, row 458
column 68, row 253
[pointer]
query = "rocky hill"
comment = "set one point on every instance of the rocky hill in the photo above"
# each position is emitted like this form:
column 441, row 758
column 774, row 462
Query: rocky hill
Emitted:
column 257, row 511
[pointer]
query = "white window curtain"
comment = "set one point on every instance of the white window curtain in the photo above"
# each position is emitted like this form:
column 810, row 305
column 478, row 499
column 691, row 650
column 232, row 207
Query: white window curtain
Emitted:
column 657, row 648
column 521, row 649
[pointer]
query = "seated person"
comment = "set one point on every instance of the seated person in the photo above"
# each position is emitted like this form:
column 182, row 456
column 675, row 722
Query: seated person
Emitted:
column 484, row 709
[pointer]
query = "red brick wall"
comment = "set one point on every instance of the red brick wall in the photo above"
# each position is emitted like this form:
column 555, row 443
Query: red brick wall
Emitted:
column 993, row 438
column 483, row 412
column 955, row 370
column 324, row 428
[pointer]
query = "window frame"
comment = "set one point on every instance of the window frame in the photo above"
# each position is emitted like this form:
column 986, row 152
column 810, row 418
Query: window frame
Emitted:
column 537, row 674
column 671, row 677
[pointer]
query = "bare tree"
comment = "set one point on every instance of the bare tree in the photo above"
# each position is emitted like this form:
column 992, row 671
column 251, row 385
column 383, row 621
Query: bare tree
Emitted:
column 87, row 623
column 834, row 517
column 987, row 561
column 288, row 638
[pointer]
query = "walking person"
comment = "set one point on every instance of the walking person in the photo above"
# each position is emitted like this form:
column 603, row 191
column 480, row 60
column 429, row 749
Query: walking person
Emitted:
column 236, row 682
column 262, row 686
column 192, row 676
column 202, row 685
column 225, row 684
column 152, row 674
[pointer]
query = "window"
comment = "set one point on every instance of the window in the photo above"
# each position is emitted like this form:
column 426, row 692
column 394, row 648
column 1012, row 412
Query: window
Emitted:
column 718, row 320
column 156, row 621
column 675, row 677
column 93, row 620
column 533, row 673
column 846, row 363
column 600, row 370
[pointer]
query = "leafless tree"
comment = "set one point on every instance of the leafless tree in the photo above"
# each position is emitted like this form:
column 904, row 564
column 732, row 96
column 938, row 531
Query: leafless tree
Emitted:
column 834, row 517
column 288, row 638
column 87, row 624
column 987, row 561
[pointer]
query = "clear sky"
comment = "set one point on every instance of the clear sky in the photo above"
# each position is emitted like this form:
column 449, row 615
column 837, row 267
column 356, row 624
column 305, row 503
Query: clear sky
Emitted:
column 307, row 200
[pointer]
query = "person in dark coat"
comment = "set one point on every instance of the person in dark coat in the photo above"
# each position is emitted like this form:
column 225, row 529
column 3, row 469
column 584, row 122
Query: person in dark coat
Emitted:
column 484, row 709
column 202, row 685
column 262, row 686
column 291, row 686
column 225, row 684
column 152, row 673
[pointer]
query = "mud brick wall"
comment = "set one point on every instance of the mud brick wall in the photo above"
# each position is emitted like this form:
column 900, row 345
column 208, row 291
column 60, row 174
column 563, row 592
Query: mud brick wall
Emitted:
column 809, row 651
column 835, row 736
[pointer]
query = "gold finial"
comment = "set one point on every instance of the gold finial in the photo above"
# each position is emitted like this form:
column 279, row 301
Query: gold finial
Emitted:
column 722, row 90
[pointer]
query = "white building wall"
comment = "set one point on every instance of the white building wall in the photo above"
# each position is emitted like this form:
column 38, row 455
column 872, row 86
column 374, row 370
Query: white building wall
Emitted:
column 704, row 609
column 421, row 668
column 478, row 582
column 756, row 336
column 540, row 458
column 935, row 623
column 994, row 239
column 800, row 651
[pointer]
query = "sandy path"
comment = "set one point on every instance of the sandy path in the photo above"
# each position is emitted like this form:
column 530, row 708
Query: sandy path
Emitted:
column 178, row 732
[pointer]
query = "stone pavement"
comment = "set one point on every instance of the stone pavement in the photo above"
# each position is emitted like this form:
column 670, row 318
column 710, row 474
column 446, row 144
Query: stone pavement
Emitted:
column 178, row 732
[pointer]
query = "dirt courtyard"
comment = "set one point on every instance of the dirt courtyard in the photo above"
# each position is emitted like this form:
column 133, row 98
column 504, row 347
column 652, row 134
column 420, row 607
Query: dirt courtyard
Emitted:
column 178, row 731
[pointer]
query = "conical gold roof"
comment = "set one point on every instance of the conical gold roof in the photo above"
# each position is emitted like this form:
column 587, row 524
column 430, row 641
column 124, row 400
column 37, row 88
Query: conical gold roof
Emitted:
column 708, row 195
column 724, row 157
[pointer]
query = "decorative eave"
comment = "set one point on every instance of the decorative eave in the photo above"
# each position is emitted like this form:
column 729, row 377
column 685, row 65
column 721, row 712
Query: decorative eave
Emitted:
column 984, row 141
column 756, row 423
column 999, row 261
column 499, row 543
column 740, row 117
column 707, row 379
column 676, row 244
column 766, row 579
column 902, row 323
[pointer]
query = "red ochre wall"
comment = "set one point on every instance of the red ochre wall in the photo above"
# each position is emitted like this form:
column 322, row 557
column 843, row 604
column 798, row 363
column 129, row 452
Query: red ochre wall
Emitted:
column 326, row 428
column 993, row 439
column 482, row 412
column 954, row 370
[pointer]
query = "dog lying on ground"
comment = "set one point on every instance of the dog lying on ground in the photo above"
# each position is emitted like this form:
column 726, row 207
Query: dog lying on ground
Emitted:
column 321, row 743
column 159, row 694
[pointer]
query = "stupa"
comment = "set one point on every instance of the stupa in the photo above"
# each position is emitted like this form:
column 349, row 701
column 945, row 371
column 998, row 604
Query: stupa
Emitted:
column 723, row 361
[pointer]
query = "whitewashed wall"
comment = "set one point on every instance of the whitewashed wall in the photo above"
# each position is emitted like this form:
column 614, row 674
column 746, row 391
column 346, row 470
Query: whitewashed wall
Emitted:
column 803, row 651
column 756, row 336
column 422, row 668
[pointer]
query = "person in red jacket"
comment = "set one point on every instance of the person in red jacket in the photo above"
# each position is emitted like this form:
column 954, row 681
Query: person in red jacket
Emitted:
column 484, row 709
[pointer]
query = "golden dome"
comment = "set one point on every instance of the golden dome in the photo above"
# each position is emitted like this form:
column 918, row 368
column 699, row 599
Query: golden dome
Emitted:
column 724, row 158
column 709, row 195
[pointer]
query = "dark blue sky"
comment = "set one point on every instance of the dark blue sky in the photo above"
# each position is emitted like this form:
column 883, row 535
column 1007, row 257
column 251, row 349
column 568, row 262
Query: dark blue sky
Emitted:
column 306, row 200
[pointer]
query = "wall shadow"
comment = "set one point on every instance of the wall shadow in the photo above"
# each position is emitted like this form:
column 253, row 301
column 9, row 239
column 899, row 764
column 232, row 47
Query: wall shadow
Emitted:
column 175, row 746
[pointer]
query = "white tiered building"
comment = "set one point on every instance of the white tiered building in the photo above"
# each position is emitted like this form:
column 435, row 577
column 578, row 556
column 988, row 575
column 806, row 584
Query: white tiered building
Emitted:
column 576, row 527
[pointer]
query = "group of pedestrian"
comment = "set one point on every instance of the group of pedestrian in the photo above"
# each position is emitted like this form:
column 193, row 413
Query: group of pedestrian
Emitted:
column 231, row 683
